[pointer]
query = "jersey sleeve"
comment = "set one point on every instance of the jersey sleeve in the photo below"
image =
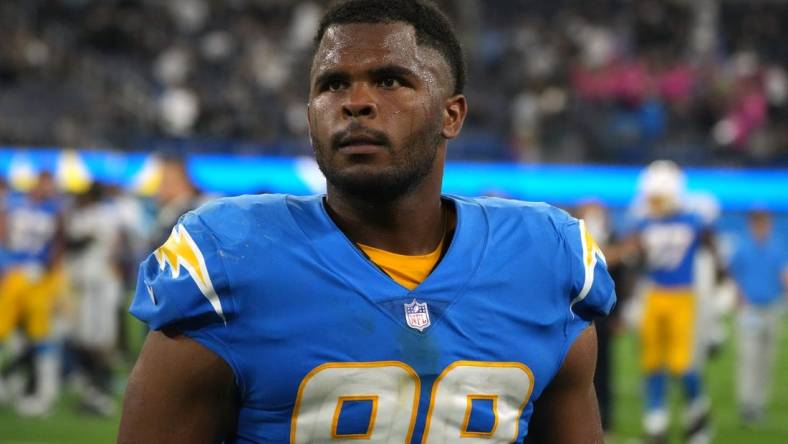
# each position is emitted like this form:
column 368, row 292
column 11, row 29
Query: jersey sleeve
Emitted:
column 592, row 291
column 183, row 283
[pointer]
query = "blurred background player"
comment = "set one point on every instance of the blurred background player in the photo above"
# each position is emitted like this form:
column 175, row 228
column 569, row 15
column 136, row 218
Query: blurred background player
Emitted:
column 132, row 245
column 93, row 232
column 760, row 268
column 32, row 284
column 668, row 237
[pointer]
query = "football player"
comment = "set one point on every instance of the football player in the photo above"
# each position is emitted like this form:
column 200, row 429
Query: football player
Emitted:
column 33, row 281
column 668, row 237
column 93, row 233
column 382, row 311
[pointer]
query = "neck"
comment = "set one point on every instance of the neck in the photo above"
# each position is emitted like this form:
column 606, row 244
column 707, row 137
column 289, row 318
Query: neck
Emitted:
column 411, row 224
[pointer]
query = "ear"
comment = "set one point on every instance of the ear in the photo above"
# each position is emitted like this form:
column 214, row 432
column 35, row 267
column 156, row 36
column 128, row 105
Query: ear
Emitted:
column 309, row 116
column 454, row 111
column 309, row 122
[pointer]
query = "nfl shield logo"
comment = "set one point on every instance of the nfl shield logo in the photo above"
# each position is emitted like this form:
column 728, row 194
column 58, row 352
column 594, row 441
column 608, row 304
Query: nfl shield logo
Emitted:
column 417, row 315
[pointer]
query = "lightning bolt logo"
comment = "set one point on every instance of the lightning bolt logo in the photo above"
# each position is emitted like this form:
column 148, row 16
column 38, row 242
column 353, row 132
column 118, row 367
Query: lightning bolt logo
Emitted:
column 180, row 250
column 590, row 247
column 591, row 253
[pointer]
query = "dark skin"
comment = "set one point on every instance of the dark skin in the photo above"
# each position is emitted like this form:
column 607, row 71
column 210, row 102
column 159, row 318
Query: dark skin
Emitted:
column 178, row 392
column 568, row 412
column 383, row 82
column 381, row 107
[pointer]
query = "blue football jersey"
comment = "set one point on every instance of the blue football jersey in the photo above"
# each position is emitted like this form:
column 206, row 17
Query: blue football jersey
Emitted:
column 670, row 244
column 325, row 347
column 31, row 229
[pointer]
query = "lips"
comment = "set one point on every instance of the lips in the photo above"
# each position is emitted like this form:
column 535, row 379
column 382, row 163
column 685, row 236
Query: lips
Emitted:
column 361, row 144
column 361, row 149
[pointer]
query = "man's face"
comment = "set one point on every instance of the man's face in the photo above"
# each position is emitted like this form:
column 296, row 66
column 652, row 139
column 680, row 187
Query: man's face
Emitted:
column 175, row 182
column 761, row 225
column 660, row 205
column 377, row 109
column 44, row 188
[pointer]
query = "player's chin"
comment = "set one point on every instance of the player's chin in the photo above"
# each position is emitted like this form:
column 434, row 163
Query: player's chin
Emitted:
column 369, row 182
column 363, row 173
column 363, row 164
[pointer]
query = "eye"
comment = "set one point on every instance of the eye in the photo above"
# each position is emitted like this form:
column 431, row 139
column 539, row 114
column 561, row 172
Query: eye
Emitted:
column 335, row 85
column 390, row 83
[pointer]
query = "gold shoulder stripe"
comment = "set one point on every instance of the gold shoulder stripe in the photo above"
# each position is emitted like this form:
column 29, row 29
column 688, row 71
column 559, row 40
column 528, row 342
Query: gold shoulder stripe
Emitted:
column 591, row 252
column 180, row 250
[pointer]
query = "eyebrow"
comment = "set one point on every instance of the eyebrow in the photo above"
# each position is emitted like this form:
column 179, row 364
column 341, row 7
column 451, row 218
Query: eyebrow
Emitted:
column 377, row 73
column 330, row 75
column 392, row 71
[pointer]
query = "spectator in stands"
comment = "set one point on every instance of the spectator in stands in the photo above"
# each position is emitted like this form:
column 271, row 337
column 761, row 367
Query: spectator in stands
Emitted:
column 613, row 82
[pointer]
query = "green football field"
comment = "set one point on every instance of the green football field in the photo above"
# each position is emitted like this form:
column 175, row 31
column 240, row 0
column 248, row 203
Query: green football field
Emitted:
column 67, row 426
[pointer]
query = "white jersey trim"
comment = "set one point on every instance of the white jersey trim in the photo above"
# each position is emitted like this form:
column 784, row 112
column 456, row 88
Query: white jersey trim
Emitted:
column 591, row 254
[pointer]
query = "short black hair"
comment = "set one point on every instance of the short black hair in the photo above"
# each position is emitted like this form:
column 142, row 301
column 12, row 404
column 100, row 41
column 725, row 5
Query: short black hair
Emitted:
column 433, row 28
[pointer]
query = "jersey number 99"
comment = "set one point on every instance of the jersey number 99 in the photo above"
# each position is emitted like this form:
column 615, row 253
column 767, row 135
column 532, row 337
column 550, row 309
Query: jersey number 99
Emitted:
column 388, row 394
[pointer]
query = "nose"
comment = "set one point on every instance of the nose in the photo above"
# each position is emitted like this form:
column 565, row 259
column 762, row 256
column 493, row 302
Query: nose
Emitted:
column 360, row 103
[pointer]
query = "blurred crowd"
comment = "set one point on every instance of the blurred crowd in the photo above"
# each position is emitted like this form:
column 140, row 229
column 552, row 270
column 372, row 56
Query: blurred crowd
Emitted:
column 616, row 81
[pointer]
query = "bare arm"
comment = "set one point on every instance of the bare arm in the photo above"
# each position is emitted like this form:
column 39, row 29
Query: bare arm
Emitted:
column 567, row 412
column 58, row 245
column 178, row 392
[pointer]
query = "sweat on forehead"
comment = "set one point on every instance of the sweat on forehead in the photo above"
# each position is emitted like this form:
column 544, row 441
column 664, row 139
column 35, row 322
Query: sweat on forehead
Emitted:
column 396, row 43
column 433, row 28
